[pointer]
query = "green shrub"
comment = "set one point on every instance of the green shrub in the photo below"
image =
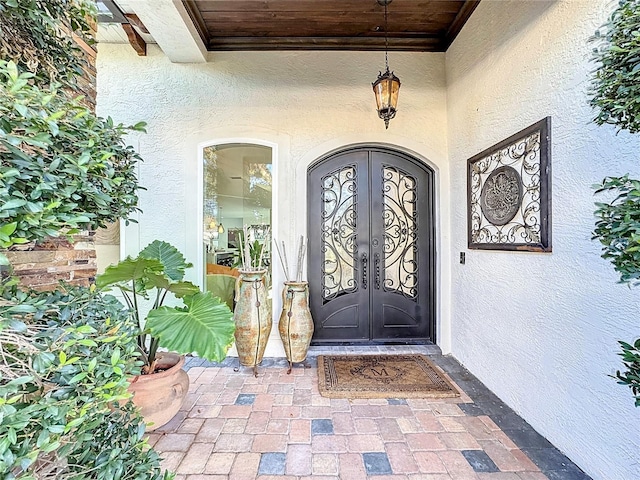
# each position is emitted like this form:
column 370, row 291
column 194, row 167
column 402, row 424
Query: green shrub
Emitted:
column 615, row 95
column 631, row 377
column 615, row 92
column 64, row 410
column 65, row 355
column 33, row 35
column 61, row 167
column 618, row 227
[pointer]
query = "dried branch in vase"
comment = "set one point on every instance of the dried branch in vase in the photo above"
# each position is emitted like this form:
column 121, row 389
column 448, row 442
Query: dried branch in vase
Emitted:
column 282, row 254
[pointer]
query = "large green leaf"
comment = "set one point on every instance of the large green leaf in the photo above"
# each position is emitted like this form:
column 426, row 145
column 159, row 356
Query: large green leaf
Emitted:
column 204, row 326
column 183, row 289
column 173, row 261
column 155, row 280
column 129, row 269
column 162, row 282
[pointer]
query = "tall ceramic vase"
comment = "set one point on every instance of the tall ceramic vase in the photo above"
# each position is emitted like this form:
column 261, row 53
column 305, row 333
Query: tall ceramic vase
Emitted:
column 295, row 325
column 252, row 317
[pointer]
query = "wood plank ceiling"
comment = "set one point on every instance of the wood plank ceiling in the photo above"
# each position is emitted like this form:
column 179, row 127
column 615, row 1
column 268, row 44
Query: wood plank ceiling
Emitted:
column 413, row 25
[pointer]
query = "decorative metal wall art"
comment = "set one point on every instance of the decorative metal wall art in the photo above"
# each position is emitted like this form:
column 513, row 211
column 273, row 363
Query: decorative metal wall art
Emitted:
column 509, row 193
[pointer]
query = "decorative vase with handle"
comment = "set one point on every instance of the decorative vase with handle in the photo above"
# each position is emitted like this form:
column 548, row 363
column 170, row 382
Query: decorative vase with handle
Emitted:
column 296, row 324
column 252, row 317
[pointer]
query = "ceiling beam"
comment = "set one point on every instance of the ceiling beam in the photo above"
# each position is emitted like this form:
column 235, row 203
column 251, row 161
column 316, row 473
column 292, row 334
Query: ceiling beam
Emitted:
column 409, row 44
column 135, row 21
column 171, row 27
column 136, row 41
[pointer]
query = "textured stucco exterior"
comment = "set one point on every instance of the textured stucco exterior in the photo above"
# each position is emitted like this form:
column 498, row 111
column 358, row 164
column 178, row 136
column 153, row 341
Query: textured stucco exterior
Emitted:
column 539, row 329
column 302, row 105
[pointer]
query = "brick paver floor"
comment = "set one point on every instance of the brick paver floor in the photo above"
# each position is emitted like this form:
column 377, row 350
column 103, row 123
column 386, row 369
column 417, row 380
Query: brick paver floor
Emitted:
column 235, row 426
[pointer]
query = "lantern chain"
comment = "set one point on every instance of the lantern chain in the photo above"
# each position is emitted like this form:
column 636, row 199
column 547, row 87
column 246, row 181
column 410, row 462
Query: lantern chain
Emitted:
column 386, row 37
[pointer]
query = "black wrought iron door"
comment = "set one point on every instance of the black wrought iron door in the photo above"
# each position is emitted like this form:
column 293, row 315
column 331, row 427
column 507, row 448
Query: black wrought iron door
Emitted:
column 371, row 247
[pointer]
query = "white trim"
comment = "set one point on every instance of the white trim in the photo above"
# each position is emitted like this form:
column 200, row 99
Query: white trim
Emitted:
column 277, row 276
column 173, row 30
column 122, row 240
column 131, row 232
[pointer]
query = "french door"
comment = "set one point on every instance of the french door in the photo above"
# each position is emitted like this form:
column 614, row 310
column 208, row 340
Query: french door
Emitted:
column 371, row 247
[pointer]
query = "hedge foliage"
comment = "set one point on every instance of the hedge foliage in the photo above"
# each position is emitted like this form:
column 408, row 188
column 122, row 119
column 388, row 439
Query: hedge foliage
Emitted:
column 36, row 35
column 615, row 95
column 64, row 409
column 61, row 166
column 615, row 92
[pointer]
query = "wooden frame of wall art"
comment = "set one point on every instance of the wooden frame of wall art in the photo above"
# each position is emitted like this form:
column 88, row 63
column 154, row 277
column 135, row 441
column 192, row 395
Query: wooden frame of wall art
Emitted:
column 509, row 193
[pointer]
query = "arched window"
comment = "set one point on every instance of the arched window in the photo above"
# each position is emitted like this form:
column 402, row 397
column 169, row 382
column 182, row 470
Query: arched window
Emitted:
column 237, row 194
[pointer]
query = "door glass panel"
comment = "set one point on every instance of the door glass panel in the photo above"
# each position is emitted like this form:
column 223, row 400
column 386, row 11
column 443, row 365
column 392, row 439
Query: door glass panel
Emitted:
column 237, row 193
column 399, row 216
column 338, row 233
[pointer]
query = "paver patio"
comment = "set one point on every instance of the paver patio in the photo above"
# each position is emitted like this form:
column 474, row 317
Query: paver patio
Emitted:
column 238, row 427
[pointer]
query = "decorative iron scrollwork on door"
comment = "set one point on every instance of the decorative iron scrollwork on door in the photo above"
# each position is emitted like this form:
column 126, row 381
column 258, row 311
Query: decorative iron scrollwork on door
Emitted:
column 338, row 233
column 399, row 215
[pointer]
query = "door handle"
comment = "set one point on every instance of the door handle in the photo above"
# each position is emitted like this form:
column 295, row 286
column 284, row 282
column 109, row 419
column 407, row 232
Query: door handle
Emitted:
column 365, row 260
column 377, row 274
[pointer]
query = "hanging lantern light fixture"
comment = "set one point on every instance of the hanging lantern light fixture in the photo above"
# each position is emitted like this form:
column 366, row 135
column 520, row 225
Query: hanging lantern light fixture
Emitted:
column 387, row 86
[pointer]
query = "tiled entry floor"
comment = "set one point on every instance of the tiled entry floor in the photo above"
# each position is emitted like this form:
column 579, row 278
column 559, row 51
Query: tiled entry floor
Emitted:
column 277, row 426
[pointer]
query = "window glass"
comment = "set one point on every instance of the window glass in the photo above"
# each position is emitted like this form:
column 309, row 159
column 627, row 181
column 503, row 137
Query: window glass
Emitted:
column 237, row 193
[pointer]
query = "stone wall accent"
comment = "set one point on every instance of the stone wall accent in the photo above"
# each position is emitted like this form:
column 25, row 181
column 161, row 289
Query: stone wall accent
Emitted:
column 43, row 265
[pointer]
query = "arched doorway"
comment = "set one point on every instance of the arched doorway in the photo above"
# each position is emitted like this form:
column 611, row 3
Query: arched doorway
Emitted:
column 371, row 250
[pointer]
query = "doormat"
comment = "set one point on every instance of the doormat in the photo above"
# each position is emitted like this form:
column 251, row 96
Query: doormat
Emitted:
column 381, row 376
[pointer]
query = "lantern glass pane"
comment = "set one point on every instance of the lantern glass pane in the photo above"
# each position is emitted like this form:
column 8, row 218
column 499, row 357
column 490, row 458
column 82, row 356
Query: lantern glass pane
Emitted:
column 379, row 91
column 395, row 89
column 386, row 92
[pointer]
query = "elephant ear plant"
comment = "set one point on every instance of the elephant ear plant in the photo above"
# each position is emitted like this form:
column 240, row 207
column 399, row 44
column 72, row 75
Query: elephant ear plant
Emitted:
column 202, row 325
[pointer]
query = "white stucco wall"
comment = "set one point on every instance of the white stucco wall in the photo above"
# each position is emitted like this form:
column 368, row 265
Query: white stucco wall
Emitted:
column 302, row 104
column 540, row 330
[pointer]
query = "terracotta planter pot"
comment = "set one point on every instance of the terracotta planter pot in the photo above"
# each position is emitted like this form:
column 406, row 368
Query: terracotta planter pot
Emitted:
column 252, row 317
column 296, row 324
column 160, row 395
